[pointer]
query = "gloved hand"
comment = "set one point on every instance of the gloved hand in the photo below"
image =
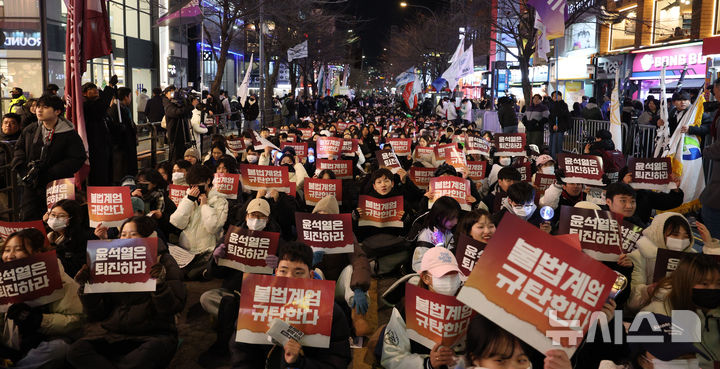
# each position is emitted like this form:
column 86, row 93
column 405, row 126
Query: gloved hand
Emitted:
column 317, row 257
column 83, row 275
column 27, row 319
column 113, row 80
column 559, row 175
column 158, row 272
column 219, row 252
column 271, row 261
column 360, row 301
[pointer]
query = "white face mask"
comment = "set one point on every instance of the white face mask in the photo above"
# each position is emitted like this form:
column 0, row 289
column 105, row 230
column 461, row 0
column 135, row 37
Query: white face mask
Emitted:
column 523, row 210
column 57, row 224
column 446, row 285
column 252, row 158
column 676, row 364
column 255, row 224
column 676, row 244
column 247, row 142
column 505, row 161
column 547, row 170
column 177, row 177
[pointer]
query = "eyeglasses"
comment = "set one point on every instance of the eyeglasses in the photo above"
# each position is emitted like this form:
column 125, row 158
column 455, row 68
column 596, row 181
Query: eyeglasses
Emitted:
column 58, row 216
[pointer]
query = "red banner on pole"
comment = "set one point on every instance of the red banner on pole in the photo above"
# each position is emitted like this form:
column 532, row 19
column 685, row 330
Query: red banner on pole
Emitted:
column 331, row 233
column 247, row 250
column 451, row 186
column 586, row 169
column 110, row 206
column 34, row 280
column 509, row 144
column 434, row 319
column 121, row 265
column 268, row 177
column 306, row 304
column 341, row 168
column 316, row 189
column 598, row 230
column 59, row 189
column 380, row 212
column 227, row 184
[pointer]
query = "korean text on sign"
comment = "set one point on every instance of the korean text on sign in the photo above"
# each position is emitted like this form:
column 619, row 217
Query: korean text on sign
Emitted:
column 467, row 252
column 433, row 318
column 651, row 174
column 316, row 189
column 510, row 144
column 341, row 168
column 331, row 233
column 34, row 280
column 59, row 190
column 259, row 177
column 247, row 250
column 8, row 228
column 598, row 231
column 421, row 176
column 121, row 265
column 381, row 212
column 109, row 205
column 586, row 169
column 306, row 304
column 454, row 187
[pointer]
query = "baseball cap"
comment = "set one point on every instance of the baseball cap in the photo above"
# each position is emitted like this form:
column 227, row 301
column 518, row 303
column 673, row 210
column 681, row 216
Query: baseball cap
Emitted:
column 259, row 205
column 673, row 339
column 542, row 159
column 438, row 261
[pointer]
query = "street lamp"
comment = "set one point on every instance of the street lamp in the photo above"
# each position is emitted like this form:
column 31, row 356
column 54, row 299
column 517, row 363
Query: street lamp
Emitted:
column 404, row 4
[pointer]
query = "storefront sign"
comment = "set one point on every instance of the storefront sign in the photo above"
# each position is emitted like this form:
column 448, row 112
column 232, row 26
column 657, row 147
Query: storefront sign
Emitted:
column 675, row 58
column 15, row 40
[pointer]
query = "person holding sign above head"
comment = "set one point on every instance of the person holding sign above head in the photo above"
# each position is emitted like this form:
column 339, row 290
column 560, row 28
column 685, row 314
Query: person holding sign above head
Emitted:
column 139, row 327
column 69, row 235
column 295, row 261
column 34, row 337
column 670, row 231
column 439, row 273
column 200, row 215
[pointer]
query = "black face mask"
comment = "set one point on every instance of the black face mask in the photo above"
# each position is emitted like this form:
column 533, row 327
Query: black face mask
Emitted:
column 291, row 168
column 706, row 298
column 143, row 187
column 15, row 96
column 202, row 189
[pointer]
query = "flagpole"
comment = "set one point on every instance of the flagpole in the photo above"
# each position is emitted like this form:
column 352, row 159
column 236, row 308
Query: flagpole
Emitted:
column 202, row 53
column 557, row 66
column 261, row 43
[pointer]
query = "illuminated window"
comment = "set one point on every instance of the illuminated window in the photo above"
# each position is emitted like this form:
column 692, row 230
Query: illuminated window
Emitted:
column 672, row 20
column 622, row 33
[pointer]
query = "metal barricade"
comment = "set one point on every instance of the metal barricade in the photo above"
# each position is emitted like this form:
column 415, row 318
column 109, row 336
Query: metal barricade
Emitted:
column 583, row 131
column 643, row 141
column 9, row 208
column 154, row 148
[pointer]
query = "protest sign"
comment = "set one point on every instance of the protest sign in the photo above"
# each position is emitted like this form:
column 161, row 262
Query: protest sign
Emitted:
column 451, row 186
column 331, row 233
column 598, row 230
column 349, row 147
column 328, row 147
column 109, row 205
column 543, row 182
column 227, row 184
column 236, row 144
column 537, row 288
column 509, row 144
column 121, row 265
column 268, row 177
column 631, row 233
column 651, row 174
column 177, row 192
column 342, row 168
column 586, row 169
column 476, row 170
column 34, row 280
column 381, row 212
column 522, row 164
column 451, row 154
column 247, row 250
column 401, row 146
column 467, row 252
column 59, row 189
column 667, row 261
column 387, row 159
column 260, row 143
column 477, row 146
column 426, row 154
column 306, row 304
column 421, row 176
column 272, row 130
column 301, row 148
column 306, row 133
column 434, row 319
column 316, row 189
column 8, row 228
column 341, row 126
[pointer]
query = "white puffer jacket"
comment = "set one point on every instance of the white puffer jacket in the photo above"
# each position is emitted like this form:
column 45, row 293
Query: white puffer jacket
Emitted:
column 201, row 225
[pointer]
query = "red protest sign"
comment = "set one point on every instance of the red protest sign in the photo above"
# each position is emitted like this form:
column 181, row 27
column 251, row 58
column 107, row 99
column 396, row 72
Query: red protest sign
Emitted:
column 109, row 205
column 467, row 252
column 272, row 131
column 331, row 233
column 306, row 304
column 509, row 144
column 667, row 261
column 301, row 148
column 631, row 233
column 426, row 154
column 328, row 147
column 247, row 250
column 227, row 184
column 341, row 168
column 586, row 169
column 341, row 126
column 34, row 280
column 476, row 170
column 306, row 133
column 433, row 318
column 477, row 146
column 177, row 192
column 523, row 166
column 121, row 265
column 316, row 189
column 651, row 174
column 387, row 159
column 421, row 176
column 451, row 186
column 543, row 182
column 598, row 230
column 452, row 155
column 268, row 177
column 59, row 189
column 401, row 146
column 380, row 212
column 349, row 147
column 536, row 287
column 8, row 228
column 236, row 144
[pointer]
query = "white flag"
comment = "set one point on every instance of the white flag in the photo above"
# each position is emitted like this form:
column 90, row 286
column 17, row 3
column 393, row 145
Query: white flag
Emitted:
column 459, row 50
column 542, row 44
column 405, row 77
column 298, row 51
column 244, row 87
column 662, row 137
column 615, row 123
column 460, row 68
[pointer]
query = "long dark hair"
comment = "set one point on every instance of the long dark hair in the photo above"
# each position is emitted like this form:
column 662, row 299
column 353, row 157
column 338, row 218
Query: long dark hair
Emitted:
column 444, row 208
column 32, row 239
column 486, row 339
column 692, row 269
column 77, row 224
column 469, row 219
